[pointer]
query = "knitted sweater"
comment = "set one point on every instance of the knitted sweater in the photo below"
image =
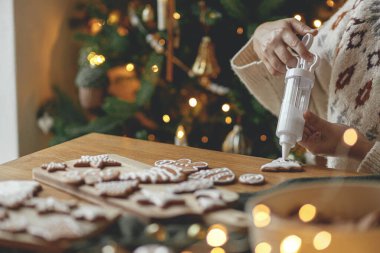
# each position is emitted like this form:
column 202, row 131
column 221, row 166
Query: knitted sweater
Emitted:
column 347, row 83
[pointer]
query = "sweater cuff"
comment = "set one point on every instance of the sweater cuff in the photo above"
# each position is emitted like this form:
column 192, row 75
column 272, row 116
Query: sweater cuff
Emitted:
column 371, row 162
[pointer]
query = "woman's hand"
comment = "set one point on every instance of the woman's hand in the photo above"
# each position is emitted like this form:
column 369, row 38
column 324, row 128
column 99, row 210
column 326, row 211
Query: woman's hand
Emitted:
column 272, row 39
column 321, row 137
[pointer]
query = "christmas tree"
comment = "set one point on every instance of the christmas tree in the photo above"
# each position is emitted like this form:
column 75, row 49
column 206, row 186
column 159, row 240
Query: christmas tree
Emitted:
column 159, row 70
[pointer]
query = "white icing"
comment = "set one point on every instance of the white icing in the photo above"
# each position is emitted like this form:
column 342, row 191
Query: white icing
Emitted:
column 13, row 193
column 160, row 199
column 218, row 175
column 88, row 212
column 207, row 204
column 281, row 163
column 251, row 178
column 209, row 193
column 191, row 186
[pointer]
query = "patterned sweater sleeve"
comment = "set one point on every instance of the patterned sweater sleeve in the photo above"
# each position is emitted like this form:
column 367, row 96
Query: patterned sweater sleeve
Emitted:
column 371, row 162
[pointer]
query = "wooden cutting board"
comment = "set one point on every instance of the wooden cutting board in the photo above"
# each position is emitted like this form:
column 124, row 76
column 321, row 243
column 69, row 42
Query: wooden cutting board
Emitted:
column 148, row 212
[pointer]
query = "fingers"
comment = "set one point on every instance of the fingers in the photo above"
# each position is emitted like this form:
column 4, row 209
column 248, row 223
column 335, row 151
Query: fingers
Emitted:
column 285, row 56
column 313, row 121
column 269, row 67
column 294, row 43
column 301, row 28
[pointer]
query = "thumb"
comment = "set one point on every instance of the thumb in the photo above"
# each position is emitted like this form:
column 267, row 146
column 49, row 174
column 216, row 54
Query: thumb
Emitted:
column 300, row 28
column 313, row 120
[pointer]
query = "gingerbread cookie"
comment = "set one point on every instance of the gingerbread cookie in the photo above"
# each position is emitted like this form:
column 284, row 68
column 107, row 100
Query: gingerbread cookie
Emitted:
column 210, row 204
column 89, row 212
column 3, row 213
column 191, row 186
column 186, row 165
column 14, row 225
column 159, row 199
column 72, row 177
column 209, row 193
column 97, row 161
column 155, row 175
column 217, row 175
column 281, row 165
column 252, row 179
column 50, row 204
column 14, row 193
column 55, row 228
column 117, row 188
column 52, row 166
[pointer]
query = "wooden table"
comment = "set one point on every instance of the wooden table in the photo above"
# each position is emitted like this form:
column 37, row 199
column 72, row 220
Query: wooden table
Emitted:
column 149, row 152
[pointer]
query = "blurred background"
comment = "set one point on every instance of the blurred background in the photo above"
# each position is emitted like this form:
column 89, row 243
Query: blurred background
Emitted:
column 155, row 70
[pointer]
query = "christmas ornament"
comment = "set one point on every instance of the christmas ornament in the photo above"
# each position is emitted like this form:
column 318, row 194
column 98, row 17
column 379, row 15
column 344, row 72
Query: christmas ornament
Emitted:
column 148, row 14
column 45, row 123
column 236, row 142
column 123, row 84
column 206, row 64
column 180, row 136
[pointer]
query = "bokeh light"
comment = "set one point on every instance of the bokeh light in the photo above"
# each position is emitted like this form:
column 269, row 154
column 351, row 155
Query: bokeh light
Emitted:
column 226, row 107
column 263, row 247
column 317, row 23
column 322, row 240
column 307, row 212
column 261, row 215
column 350, row 137
column 193, row 102
column 263, row 138
column 290, row 244
column 166, row 118
column 228, row 120
column 240, row 30
column 130, row 67
column 217, row 250
column 176, row 15
column 217, row 235
column 298, row 17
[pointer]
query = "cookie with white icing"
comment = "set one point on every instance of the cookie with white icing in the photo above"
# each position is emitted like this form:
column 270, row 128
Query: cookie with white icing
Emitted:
column 117, row 188
column 14, row 193
column 283, row 165
column 50, row 204
column 252, row 179
column 72, row 177
column 14, row 225
column 3, row 213
column 186, row 165
column 217, row 175
column 89, row 212
column 53, row 166
column 96, row 161
column 153, row 248
column 191, row 186
column 210, row 204
column 159, row 199
column 155, row 175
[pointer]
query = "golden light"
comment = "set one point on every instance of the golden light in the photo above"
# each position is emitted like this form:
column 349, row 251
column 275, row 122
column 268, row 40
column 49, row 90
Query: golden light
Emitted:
column 226, row 107
column 113, row 18
column 176, row 15
column 307, row 212
column 217, row 235
column 108, row 249
column 90, row 55
column 217, row 250
column 263, row 247
column 330, row 3
column 166, row 118
column 96, row 59
column 322, row 240
column 151, row 137
column 317, row 23
column 161, row 42
column 263, row 138
column 204, row 139
column 228, row 120
column 261, row 215
column 95, row 25
column 193, row 102
column 122, row 31
column 155, row 68
column 350, row 137
column 290, row 244
column 240, row 30
column 298, row 17
column 130, row 67
column 180, row 134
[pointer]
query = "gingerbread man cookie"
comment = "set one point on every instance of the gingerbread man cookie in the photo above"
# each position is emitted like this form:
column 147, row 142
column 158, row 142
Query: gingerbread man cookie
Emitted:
column 97, row 161
column 281, row 165
column 217, row 175
column 52, row 166
column 186, row 165
column 13, row 193
column 159, row 199
column 117, row 188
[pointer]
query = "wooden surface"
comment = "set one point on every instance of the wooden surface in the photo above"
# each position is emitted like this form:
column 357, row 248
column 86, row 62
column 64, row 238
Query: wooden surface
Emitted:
column 149, row 152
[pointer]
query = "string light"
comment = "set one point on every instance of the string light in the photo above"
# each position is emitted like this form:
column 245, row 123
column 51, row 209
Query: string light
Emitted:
column 298, row 17
column 217, row 250
column 350, row 137
column 322, row 240
column 330, row 3
column 130, row 67
column 180, row 134
column 155, row 68
column 290, row 244
column 113, row 18
column 217, row 235
column 226, row 107
column 204, row 139
column 122, row 31
column 151, row 137
column 176, row 15
column 166, row 118
column 95, row 59
column 261, row 215
column 263, row 138
column 95, row 25
column 193, row 102
column 307, row 212
column 263, row 247
column 228, row 120
column 240, row 30
column 317, row 23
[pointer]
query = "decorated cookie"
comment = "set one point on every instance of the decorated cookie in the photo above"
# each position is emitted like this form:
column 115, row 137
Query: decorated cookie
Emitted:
column 109, row 175
column 191, row 186
column 3, row 213
column 14, row 225
column 281, row 165
column 210, row 204
column 117, row 188
column 209, row 193
column 89, row 212
column 54, row 228
column 252, row 179
column 153, row 248
column 52, row 166
column 159, row 199
column 92, row 176
column 97, row 161
column 14, row 193
column 155, row 175
column 71, row 177
column 186, row 165
column 217, row 175
column 50, row 204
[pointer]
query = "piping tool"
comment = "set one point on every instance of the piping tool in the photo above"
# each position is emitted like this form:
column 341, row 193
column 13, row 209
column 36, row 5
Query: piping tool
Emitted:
column 298, row 84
